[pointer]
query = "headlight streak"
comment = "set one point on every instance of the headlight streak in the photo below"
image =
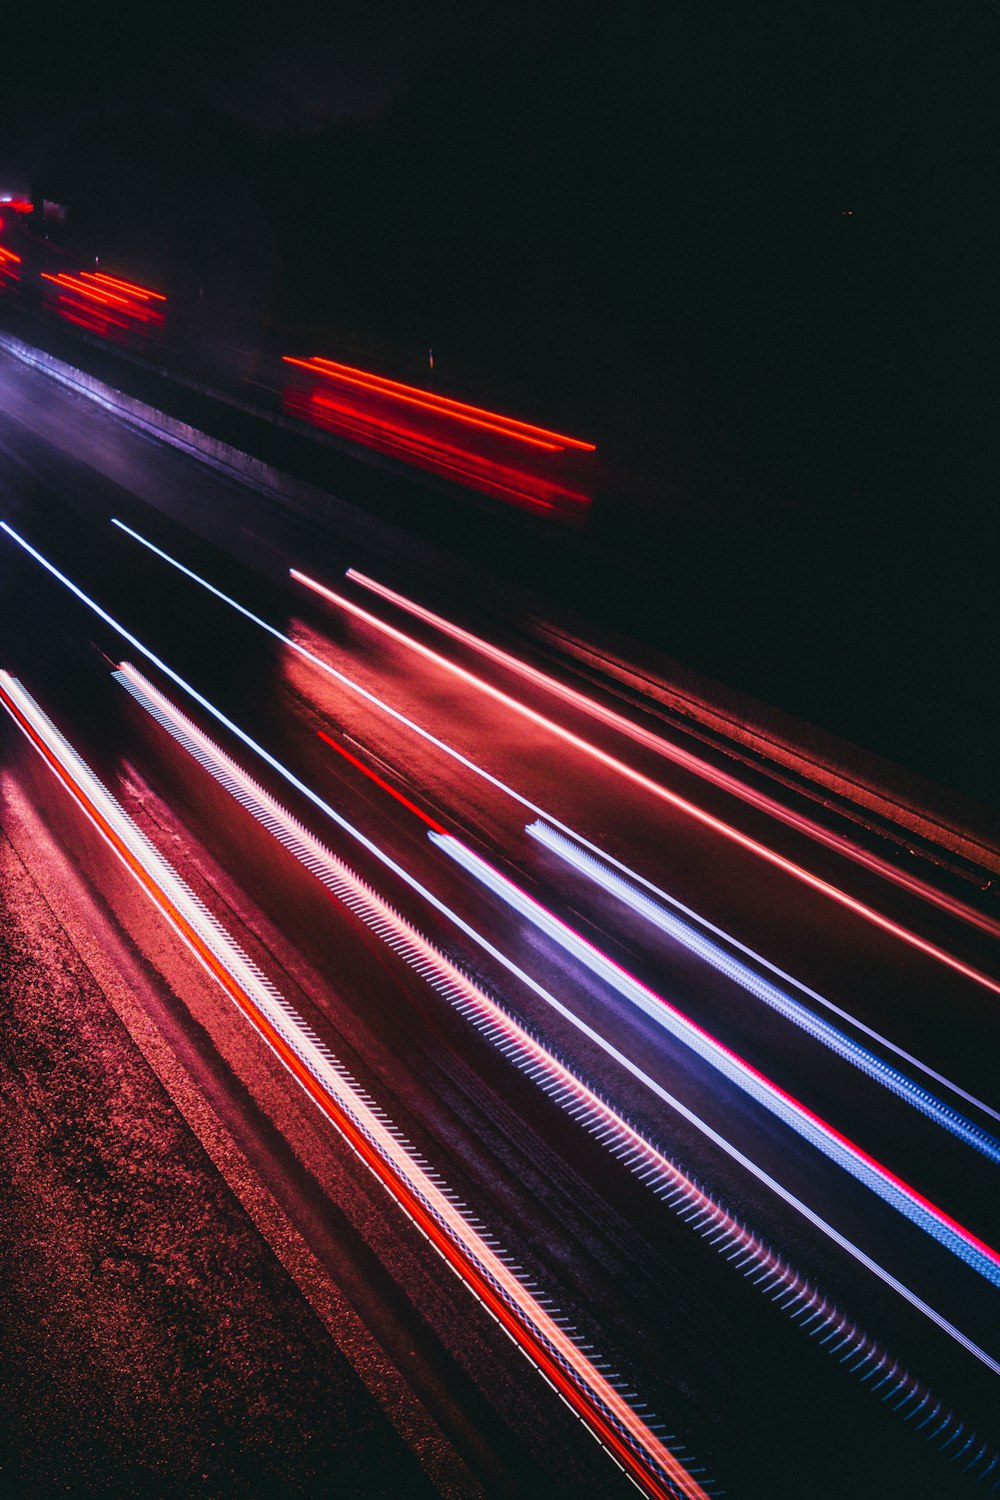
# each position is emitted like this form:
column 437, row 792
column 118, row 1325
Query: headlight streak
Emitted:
column 953, row 1236
column 501, row 786
column 484, row 943
column 666, row 748
column 762, row 989
column 696, row 1207
column 473, row 1255
column 674, row 799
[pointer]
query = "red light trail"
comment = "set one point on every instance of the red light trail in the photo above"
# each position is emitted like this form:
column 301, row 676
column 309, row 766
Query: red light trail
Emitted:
column 380, row 782
column 461, row 410
column 674, row 799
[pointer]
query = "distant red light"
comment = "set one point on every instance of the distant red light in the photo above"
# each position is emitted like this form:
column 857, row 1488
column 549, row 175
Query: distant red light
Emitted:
column 445, row 405
column 125, row 286
column 461, row 465
column 105, row 306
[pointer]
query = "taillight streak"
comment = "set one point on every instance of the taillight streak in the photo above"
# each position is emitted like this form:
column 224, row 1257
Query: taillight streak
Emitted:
column 525, row 801
column 646, row 784
column 382, row 783
column 501, row 786
column 461, row 466
column 676, row 753
column 764, row 990
column 484, row 1267
column 444, row 405
column 411, row 398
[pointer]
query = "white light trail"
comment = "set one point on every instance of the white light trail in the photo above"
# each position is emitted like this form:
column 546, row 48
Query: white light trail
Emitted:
column 864, row 1168
column 666, row 748
column 662, row 793
column 966, row 970
column 763, row 989
column 533, row 807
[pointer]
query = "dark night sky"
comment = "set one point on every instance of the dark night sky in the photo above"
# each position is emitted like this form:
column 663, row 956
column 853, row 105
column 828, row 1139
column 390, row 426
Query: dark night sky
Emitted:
column 755, row 242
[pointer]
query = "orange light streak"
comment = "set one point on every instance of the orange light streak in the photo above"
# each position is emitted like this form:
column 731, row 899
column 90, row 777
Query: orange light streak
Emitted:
column 126, row 286
column 510, row 426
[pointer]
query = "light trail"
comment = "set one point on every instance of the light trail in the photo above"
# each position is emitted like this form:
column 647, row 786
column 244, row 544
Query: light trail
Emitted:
column 426, row 403
column 131, row 287
column 948, row 1233
column 96, row 294
column 676, row 753
column 533, row 807
column 625, row 1062
column 484, row 1268
column 673, row 799
column 445, row 405
column 701, row 1210
column 381, row 782
column 460, row 465
column 763, row 989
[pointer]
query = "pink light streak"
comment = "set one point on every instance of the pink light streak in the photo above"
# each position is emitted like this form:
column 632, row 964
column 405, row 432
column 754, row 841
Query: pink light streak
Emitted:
column 674, row 799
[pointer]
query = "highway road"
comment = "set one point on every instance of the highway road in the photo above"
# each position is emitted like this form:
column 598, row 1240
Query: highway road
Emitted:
column 603, row 1062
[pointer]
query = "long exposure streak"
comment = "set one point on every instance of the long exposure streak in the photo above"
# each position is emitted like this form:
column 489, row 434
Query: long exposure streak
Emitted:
column 477, row 416
column 516, row 796
column 727, row 1235
column 864, row 1168
column 763, row 989
column 686, row 758
column 430, row 1204
column 381, row 782
column 690, row 809
column 429, row 404
column 484, row 943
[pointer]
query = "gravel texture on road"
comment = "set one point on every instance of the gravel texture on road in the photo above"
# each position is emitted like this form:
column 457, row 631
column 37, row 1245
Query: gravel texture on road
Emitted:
column 150, row 1341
